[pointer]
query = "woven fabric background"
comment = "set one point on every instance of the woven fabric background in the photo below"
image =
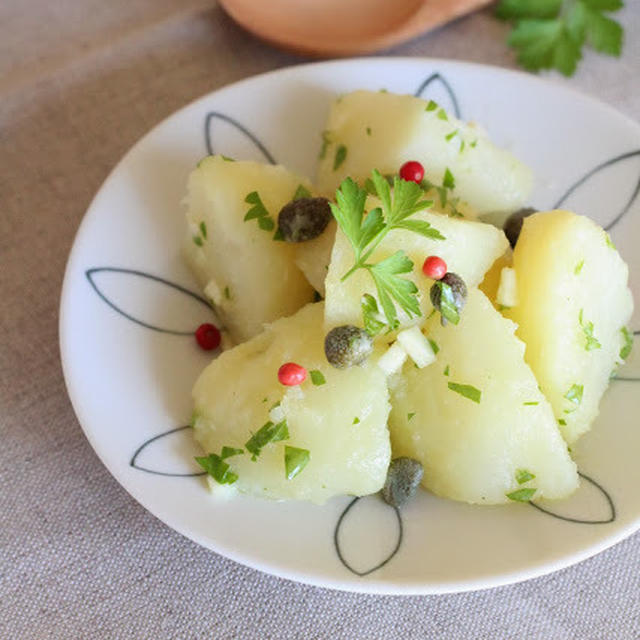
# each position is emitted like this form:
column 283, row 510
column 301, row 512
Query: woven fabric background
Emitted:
column 80, row 82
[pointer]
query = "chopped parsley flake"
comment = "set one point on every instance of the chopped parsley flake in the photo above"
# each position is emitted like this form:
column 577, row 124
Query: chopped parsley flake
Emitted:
column 587, row 328
column 197, row 240
column 574, row 395
column 316, row 377
column 521, row 495
column 269, row 432
column 356, row 420
column 368, row 131
column 432, row 106
column 522, row 476
column 448, row 307
column 227, row 293
column 450, row 136
column 371, row 315
column 301, row 192
column 326, row 141
column 442, row 115
column 578, row 268
column 434, row 345
column 562, row 422
column 462, row 145
column 446, row 370
column 264, row 399
column 410, row 415
column 473, row 144
column 340, row 157
column 295, row 460
column 228, row 452
column 258, row 212
column 531, row 403
column 217, row 468
column 607, row 239
column 628, row 343
column 203, row 229
column 448, row 182
column 466, row 390
column 228, row 159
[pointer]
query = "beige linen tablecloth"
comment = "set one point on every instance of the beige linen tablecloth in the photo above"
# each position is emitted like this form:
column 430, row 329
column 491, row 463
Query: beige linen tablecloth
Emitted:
column 80, row 82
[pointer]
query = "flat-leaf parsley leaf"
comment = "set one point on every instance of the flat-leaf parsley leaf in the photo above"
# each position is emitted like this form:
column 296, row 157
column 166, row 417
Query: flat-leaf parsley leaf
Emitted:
column 365, row 232
column 551, row 33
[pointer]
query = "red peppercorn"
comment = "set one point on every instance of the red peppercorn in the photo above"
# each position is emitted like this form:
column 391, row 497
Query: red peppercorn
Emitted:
column 291, row 374
column 208, row 337
column 412, row 171
column 434, row 268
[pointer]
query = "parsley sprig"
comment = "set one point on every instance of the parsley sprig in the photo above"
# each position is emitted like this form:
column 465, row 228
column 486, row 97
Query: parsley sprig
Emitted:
column 551, row 33
column 366, row 232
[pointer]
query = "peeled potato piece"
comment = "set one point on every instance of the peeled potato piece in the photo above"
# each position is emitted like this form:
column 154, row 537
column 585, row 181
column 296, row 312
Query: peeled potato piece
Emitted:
column 369, row 130
column 476, row 418
column 573, row 303
column 249, row 277
column 491, row 281
column 342, row 423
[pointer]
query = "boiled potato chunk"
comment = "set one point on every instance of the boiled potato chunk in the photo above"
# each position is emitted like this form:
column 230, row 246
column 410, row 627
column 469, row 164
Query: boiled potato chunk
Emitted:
column 313, row 257
column 342, row 423
column 573, row 301
column 469, row 249
column 491, row 281
column 378, row 130
column 475, row 418
column 250, row 278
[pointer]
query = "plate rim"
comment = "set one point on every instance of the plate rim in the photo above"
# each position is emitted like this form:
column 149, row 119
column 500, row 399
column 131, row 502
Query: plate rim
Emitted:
column 372, row 585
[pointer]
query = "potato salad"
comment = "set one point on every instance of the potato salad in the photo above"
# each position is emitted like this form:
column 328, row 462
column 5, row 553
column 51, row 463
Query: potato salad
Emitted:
column 394, row 338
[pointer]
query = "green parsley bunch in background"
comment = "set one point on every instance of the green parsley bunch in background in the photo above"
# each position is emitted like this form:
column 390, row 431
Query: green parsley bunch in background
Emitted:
column 550, row 34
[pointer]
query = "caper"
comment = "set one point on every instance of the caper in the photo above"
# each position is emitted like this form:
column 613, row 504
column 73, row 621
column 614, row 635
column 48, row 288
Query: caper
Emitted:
column 347, row 345
column 513, row 224
column 304, row 219
column 458, row 290
column 403, row 478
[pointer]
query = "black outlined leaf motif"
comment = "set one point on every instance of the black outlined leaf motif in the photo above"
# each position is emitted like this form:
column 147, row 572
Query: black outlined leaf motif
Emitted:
column 227, row 136
column 590, row 504
column 436, row 88
column 369, row 513
column 150, row 301
column 169, row 454
column 598, row 192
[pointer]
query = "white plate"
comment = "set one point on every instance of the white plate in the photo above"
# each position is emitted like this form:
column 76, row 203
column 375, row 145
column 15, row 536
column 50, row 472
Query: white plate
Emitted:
column 130, row 380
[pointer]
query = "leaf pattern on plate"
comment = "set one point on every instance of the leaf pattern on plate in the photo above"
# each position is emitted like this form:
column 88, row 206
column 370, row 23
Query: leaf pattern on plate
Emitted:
column 373, row 514
column 176, row 310
column 579, row 196
column 590, row 504
column 440, row 91
column 159, row 454
column 227, row 136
